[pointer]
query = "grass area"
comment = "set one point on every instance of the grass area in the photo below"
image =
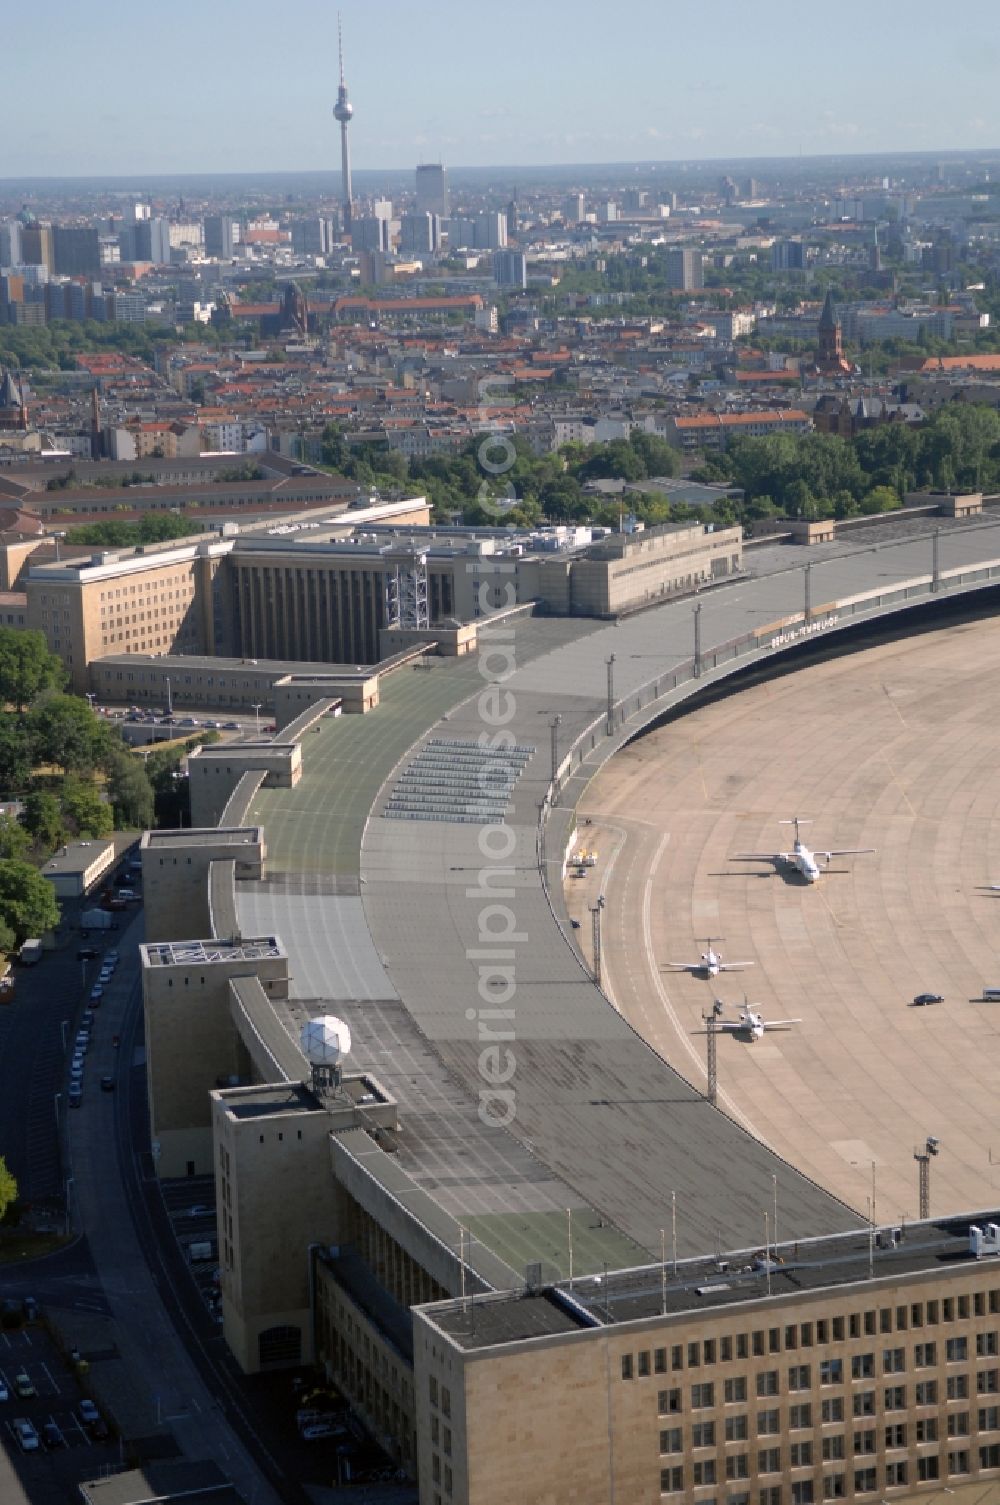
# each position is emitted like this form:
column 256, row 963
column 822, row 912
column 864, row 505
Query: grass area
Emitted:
column 17, row 1245
column 521, row 1240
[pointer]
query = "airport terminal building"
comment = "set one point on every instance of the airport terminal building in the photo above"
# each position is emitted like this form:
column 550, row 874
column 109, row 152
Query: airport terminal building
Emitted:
column 532, row 1255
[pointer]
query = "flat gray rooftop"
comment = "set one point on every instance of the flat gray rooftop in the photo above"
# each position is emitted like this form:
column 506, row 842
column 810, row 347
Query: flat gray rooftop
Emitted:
column 205, row 953
column 256, row 1102
column 708, row 1284
column 207, row 836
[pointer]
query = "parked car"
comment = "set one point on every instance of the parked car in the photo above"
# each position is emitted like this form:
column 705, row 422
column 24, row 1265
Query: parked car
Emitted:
column 27, row 1437
column 23, row 1385
column 107, row 1084
column 75, row 1094
column 87, row 1412
column 923, row 999
column 111, row 958
column 231, row 726
column 86, row 954
column 30, row 1306
column 97, row 991
column 4, row 1392
column 52, row 1437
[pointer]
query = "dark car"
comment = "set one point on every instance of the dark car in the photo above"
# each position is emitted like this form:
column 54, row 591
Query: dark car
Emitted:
column 107, row 1084
column 99, row 1430
column 86, row 954
column 52, row 1437
column 923, row 999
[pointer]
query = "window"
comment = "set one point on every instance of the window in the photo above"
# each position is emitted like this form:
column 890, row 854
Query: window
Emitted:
column 767, row 1382
column 989, row 1456
column 758, row 1343
column 832, row 1409
column 800, row 1455
column 894, row 1361
column 660, row 1361
column 799, row 1377
column 644, row 1364
column 738, row 1466
column 865, row 1480
column 956, row 1350
column 895, row 1472
column 626, row 1366
column 769, row 1461
column 677, row 1357
column 800, row 1416
column 864, row 1442
column 702, row 1396
column 863, row 1366
column 958, row 1424
column 703, row 1434
column 926, row 1428
column 988, row 1381
column 864, row 1403
column 925, row 1393
column 895, row 1398
column 672, row 1440
column 694, row 1355
column 831, row 1372
column 725, row 1350
column 895, row 1435
column 833, row 1448
column 986, row 1345
column 768, row 1423
column 925, row 1355
column 791, row 1339
column 834, row 1486
column 957, row 1387
column 770, row 1495
column 927, row 1468
column 802, row 1492
column 737, row 1428
column 958, row 1463
column 989, row 1418
column 671, row 1480
column 704, row 1472
column 668, row 1402
column 736, row 1390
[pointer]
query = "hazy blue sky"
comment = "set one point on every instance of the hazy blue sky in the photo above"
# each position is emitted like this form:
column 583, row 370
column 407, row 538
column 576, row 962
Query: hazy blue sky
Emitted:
column 234, row 85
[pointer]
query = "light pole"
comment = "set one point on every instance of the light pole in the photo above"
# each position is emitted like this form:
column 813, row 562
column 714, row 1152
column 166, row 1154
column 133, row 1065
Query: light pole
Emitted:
column 91, row 697
column 611, row 696
column 69, row 1200
column 712, row 1085
column 170, row 703
column 595, row 922
column 697, row 641
column 923, row 1159
column 58, row 1099
column 64, row 1026
column 256, row 708
column 808, row 601
column 936, row 560
column 554, row 729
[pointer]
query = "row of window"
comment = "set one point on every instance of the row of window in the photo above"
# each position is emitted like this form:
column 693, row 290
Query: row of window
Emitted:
column 833, row 1486
column 863, row 1402
column 772, row 1340
column 801, row 1453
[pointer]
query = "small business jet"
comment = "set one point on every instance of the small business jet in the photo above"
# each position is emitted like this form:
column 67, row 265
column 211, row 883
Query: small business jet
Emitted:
column 749, row 1023
column 711, row 963
column 806, row 862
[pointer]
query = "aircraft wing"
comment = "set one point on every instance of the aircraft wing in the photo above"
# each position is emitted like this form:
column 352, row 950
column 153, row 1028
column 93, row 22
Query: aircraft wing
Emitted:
column 761, row 857
column 844, row 852
column 780, row 1023
column 683, row 966
column 733, row 966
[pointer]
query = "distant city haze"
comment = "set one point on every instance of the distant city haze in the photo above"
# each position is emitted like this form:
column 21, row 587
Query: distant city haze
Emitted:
column 251, row 87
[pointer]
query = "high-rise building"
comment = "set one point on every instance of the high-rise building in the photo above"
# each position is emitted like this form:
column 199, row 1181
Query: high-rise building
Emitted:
column 77, row 249
column 684, row 269
column 36, row 246
column 574, row 208
column 788, row 255
column 432, row 188
column 370, row 232
column 419, row 234
column 312, row 237
column 491, row 231
column 10, row 243
column 219, row 236
column 510, row 269
column 159, row 241
column 342, row 111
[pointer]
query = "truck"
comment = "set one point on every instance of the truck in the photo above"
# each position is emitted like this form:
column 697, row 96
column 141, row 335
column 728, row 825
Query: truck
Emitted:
column 30, row 952
column 96, row 919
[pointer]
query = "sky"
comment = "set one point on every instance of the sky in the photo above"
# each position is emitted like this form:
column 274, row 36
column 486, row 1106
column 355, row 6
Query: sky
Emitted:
column 247, row 85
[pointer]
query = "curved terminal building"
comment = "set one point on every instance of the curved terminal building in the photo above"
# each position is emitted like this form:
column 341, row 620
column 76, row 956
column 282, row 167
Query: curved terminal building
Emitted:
column 537, row 1259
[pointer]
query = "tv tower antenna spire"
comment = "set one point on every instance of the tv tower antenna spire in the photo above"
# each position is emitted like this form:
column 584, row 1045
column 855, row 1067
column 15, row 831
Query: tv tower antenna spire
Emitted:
column 343, row 111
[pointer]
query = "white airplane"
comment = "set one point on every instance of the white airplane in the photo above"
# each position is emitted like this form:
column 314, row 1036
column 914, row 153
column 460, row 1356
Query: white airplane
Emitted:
column 749, row 1022
column 711, row 963
column 810, row 864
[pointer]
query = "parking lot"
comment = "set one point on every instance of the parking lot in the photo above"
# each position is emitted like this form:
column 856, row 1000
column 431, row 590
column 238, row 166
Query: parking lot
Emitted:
column 30, row 1359
column 190, row 1205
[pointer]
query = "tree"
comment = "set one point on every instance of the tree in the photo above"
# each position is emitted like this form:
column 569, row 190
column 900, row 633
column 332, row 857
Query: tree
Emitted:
column 8, row 940
column 27, row 900
column 15, row 755
column 879, row 499
column 26, row 667
column 129, row 789
column 42, row 819
column 8, row 1189
column 83, row 807
column 14, row 841
column 64, row 730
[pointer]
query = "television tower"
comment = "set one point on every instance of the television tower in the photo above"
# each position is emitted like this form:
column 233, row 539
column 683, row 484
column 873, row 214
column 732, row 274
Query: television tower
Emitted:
column 343, row 110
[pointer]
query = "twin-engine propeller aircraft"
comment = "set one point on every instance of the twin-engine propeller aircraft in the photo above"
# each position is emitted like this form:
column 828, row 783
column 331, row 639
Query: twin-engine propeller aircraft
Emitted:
column 749, row 1023
column 804, row 861
column 711, row 963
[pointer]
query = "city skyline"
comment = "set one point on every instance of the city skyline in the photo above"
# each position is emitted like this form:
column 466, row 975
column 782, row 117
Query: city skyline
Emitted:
column 450, row 87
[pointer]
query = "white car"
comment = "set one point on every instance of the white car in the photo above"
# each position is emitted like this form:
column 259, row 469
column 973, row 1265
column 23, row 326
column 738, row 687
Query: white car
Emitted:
column 27, row 1437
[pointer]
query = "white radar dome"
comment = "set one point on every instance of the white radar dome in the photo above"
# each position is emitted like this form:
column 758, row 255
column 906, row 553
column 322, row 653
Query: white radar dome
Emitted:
column 325, row 1041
